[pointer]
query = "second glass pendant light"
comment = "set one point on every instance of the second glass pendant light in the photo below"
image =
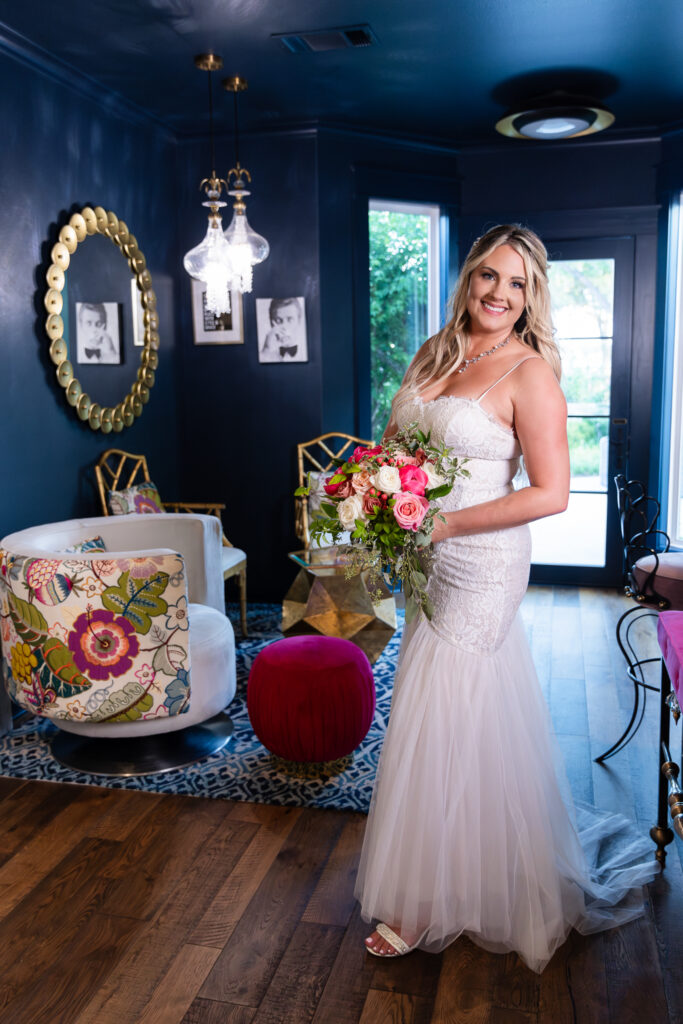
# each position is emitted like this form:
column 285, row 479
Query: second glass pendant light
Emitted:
column 211, row 261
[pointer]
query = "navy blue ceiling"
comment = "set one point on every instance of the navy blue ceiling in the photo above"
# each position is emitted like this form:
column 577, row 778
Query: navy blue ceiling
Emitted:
column 441, row 69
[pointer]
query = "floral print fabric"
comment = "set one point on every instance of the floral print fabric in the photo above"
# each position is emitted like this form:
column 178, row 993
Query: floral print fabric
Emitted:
column 91, row 544
column 139, row 498
column 102, row 639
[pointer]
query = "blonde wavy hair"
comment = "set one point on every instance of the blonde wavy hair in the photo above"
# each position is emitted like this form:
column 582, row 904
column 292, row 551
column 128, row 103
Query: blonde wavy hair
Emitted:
column 444, row 352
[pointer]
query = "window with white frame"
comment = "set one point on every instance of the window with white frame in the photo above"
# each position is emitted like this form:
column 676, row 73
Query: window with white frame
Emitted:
column 405, row 299
column 675, row 467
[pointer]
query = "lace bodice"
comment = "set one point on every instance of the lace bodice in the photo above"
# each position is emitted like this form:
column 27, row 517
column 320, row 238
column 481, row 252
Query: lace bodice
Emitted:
column 476, row 581
column 471, row 433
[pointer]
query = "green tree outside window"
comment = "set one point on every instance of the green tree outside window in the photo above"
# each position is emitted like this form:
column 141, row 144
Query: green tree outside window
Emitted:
column 399, row 247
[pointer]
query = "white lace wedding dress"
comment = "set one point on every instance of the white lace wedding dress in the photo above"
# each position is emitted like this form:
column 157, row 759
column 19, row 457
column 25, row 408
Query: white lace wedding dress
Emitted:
column 472, row 828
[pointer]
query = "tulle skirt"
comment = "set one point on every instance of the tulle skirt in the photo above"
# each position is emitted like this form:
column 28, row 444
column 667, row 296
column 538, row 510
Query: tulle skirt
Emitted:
column 472, row 829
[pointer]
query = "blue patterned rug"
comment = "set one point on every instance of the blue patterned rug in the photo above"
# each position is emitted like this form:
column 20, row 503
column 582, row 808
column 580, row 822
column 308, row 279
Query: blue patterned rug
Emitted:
column 244, row 770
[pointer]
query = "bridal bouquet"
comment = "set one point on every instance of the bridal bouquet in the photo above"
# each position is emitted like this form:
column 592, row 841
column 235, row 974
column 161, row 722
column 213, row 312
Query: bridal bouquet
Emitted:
column 387, row 496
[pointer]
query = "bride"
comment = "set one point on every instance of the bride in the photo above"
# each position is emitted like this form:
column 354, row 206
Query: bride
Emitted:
column 472, row 829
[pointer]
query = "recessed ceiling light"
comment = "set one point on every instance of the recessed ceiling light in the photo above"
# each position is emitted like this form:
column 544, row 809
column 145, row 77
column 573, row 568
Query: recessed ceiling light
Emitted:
column 554, row 121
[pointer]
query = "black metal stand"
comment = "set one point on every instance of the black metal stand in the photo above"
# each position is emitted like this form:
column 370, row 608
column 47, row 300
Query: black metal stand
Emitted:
column 661, row 833
column 143, row 755
column 635, row 674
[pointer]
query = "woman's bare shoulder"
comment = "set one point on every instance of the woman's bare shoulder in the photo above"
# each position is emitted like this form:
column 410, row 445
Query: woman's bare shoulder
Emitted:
column 533, row 367
column 534, row 382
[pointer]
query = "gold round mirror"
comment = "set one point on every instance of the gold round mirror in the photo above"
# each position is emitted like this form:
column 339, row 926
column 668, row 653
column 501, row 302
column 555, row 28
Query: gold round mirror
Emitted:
column 98, row 341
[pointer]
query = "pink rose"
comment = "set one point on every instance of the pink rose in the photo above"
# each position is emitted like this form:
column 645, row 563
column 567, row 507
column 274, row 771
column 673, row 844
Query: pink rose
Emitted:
column 371, row 502
column 413, row 479
column 406, row 460
column 409, row 510
column 361, row 453
column 361, row 482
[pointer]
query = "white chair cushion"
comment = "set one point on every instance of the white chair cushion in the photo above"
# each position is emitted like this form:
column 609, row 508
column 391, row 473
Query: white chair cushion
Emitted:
column 230, row 557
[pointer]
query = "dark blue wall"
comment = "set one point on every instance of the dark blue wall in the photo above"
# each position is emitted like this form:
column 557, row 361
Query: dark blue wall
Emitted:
column 582, row 174
column 62, row 150
column 241, row 419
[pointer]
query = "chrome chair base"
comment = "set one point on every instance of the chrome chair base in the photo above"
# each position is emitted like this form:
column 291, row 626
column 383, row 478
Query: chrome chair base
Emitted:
column 144, row 755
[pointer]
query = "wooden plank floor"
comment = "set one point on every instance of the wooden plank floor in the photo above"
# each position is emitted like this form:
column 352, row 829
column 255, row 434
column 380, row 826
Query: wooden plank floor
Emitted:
column 119, row 907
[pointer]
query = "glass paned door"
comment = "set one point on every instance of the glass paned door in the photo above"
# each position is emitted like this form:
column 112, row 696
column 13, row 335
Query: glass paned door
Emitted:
column 589, row 286
column 404, row 294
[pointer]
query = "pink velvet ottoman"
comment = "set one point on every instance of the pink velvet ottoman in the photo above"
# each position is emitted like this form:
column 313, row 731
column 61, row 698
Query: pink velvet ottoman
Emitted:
column 670, row 637
column 311, row 698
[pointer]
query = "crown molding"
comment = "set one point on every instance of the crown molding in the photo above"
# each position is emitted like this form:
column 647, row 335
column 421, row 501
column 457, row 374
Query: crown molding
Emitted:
column 318, row 129
column 24, row 51
column 530, row 145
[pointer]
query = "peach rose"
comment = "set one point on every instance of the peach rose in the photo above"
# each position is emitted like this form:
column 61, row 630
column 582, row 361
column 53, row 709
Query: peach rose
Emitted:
column 361, row 482
column 410, row 510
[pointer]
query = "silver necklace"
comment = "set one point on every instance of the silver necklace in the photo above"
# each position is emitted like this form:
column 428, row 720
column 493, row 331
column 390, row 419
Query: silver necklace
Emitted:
column 475, row 359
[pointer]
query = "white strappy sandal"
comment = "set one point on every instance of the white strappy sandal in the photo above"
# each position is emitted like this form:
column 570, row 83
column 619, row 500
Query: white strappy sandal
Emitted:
column 390, row 936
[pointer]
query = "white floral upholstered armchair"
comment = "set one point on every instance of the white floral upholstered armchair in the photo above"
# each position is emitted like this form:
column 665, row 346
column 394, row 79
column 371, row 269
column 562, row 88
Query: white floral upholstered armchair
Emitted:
column 114, row 628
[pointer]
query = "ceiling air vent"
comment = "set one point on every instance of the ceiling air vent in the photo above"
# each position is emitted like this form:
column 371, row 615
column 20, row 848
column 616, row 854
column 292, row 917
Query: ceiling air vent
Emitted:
column 350, row 38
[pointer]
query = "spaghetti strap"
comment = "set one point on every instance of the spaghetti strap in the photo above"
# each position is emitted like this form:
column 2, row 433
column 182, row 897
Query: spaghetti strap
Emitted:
column 508, row 372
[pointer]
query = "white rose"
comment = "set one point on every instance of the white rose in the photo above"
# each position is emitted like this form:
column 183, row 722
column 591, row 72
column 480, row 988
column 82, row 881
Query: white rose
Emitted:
column 434, row 479
column 387, row 479
column 349, row 510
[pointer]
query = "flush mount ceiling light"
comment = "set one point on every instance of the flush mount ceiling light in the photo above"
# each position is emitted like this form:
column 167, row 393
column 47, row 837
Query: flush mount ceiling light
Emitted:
column 556, row 117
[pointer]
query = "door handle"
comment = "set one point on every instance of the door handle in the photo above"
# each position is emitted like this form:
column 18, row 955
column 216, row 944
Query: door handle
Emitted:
column 619, row 440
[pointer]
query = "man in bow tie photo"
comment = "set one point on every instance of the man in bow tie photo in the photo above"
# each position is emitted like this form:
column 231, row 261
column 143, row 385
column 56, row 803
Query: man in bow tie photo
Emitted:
column 96, row 341
column 283, row 338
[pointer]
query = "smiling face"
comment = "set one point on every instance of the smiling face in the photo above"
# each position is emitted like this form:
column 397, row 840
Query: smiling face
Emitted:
column 496, row 292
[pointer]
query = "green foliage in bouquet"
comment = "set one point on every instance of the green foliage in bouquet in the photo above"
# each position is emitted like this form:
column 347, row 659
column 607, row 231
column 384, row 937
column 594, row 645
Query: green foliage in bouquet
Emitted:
column 391, row 537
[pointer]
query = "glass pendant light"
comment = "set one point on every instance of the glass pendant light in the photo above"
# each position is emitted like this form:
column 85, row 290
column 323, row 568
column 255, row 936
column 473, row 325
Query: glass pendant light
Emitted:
column 210, row 261
column 247, row 247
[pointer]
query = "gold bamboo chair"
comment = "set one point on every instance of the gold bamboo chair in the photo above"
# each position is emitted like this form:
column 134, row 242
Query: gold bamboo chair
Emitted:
column 318, row 456
column 319, row 601
column 116, row 470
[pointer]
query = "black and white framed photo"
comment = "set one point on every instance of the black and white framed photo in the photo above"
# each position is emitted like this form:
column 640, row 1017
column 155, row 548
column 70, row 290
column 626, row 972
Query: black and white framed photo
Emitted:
column 281, row 328
column 210, row 329
column 98, row 335
column 138, row 312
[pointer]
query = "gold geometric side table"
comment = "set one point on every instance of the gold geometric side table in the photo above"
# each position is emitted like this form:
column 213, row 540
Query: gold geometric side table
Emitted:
column 322, row 601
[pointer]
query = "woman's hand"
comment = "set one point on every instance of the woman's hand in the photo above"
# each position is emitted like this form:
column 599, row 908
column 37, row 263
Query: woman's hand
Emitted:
column 442, row 531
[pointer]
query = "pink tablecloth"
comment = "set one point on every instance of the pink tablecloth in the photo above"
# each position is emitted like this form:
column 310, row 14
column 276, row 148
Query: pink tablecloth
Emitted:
column 670, row 637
